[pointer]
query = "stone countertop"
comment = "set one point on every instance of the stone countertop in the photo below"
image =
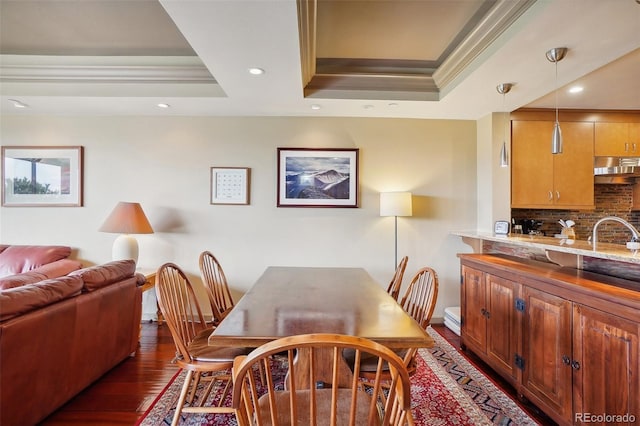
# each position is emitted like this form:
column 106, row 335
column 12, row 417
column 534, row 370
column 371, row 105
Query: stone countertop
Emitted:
column 614, row 252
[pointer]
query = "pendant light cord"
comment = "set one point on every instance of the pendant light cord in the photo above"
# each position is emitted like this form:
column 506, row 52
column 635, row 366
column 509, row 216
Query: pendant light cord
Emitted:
column 556, row 62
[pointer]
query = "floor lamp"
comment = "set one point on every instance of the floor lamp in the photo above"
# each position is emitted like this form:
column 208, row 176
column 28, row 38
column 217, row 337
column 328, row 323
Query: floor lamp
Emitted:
column 395, row 204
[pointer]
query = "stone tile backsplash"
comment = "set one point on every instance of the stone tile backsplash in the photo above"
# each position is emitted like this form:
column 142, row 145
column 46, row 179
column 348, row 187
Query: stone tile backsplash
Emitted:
column 610, row 200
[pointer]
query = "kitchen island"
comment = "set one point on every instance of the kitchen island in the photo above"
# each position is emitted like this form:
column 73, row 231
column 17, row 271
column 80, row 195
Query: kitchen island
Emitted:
column 609, row 259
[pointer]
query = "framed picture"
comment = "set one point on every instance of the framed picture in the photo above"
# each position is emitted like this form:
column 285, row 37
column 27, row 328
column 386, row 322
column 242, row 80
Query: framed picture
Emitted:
column 309, row 177
column 230, row 185
column 41, row 176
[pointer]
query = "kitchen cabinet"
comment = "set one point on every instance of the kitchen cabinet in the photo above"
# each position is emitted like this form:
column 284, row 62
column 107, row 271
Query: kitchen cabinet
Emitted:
column 545, row 380
column 573, row 336
column 543, row 180
column 490, row 321
column 617, row 139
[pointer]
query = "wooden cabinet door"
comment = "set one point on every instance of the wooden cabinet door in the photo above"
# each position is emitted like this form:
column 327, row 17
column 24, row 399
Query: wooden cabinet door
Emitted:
column 573, row 181
column 611, row 139
column 502, row 325
column 606, row 364
column 546, row 379
column 531, row 164
column 634, row 138
column 473, row 308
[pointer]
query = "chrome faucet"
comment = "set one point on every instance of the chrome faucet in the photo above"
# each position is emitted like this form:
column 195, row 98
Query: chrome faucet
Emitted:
column 634, row 231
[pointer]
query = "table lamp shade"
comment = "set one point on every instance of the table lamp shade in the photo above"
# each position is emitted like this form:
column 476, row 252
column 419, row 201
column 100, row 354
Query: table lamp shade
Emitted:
column 126, row 219
column 395, row 204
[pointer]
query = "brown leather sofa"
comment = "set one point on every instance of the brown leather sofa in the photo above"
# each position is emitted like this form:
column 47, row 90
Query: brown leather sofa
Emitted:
column 59, row 335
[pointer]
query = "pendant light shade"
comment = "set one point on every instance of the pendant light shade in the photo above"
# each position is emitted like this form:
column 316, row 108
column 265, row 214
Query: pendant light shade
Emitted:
column 503, row 89
column 555, row 55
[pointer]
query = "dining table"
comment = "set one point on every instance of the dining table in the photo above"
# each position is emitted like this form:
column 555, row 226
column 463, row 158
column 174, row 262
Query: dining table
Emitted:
column 287, row 301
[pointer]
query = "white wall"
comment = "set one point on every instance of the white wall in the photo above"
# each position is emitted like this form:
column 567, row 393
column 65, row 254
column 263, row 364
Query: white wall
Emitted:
column 164, row 163
column 494, row 182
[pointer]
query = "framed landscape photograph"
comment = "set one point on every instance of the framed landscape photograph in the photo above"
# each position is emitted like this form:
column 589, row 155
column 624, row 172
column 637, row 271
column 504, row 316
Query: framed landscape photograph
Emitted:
column 310, row 177
column 42, row 176
column 230, row 185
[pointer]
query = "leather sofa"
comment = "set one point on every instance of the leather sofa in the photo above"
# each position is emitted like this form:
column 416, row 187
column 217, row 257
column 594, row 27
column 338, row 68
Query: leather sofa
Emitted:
column 59, row 335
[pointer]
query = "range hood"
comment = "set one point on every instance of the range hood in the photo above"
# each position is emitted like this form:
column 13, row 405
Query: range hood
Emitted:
column 620, row 170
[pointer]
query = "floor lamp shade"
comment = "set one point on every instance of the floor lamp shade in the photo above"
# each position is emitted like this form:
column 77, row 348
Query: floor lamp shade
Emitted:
column 126, row 219
column 395, row 204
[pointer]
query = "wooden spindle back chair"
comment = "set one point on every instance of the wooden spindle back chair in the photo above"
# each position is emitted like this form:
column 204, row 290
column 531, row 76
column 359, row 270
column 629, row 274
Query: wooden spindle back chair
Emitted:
column 396, row 281
column 217, row 287
column 308, row 397
column 190, row 332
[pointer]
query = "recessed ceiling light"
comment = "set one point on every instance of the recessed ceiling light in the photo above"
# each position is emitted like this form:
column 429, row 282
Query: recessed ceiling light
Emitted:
column 256, row 71
column 576, row 89
column 393, row 104
column 315, row 107
column 163, row 105
column 368, row 106
column 18, row 104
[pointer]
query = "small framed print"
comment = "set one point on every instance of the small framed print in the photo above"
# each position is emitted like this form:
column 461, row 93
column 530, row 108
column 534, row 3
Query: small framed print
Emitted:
column 230, row 185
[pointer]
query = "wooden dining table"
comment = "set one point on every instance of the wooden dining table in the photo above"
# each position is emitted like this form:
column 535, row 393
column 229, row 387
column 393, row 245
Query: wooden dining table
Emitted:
column 287, row 301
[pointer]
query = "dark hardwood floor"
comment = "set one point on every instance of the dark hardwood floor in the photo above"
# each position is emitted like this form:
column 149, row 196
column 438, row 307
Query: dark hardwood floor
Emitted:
column 124, row 394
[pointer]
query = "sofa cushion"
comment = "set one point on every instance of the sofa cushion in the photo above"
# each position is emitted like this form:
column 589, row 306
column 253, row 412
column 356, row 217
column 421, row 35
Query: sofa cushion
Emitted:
column 95, row 277
column 20, row 300
column 18, row 280
column 16, row 259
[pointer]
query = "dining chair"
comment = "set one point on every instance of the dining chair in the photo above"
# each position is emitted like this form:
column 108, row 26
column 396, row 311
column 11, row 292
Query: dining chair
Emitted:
column 217, row 287
column 419, row 302
column 396, row 281
column 190, row 332
column 318, row 356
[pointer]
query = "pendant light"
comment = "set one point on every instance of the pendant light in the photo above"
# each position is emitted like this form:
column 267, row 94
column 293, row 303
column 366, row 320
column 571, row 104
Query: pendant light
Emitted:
column 555, row 55
column 503, row 89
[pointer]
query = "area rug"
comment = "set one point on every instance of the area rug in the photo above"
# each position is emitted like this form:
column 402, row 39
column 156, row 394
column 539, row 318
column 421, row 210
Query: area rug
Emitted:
column 445, row 390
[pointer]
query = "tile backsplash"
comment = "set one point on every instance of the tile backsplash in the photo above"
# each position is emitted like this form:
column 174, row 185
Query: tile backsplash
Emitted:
column 610, row 200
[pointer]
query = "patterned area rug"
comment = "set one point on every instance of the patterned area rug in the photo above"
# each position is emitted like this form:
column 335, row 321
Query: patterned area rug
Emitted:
column 446, row 390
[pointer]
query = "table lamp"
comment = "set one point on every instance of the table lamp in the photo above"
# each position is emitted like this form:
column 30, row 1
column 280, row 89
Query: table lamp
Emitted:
column 395, row 204
column 126, row 219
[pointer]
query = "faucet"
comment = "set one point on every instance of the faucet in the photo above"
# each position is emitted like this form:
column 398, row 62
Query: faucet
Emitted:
column 634, row 231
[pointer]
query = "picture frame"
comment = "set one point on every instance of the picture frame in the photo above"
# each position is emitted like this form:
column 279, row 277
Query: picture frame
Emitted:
column 317, row 177
column 230, row 185
column 37, row 176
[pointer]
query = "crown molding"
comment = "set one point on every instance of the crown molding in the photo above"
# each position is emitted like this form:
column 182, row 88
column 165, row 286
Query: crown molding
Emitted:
column 103, row 69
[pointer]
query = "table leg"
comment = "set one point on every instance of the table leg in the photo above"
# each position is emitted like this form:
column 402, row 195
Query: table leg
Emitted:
column 323, row 369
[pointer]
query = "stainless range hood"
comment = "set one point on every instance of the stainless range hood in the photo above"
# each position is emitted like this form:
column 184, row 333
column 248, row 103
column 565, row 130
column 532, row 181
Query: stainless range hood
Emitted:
column 616, row 170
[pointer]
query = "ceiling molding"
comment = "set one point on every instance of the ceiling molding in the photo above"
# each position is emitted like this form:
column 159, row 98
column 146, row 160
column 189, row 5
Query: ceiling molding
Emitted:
column 494, row 23
column 48, row 69
column 353, row 78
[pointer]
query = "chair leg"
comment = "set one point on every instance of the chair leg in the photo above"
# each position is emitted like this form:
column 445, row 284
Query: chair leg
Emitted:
column 183, row 396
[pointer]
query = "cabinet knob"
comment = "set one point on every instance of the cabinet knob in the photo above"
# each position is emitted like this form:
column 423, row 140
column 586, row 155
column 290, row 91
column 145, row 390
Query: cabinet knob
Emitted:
column 550, row 196
column 557, row 195
column 566, row 360
column 575, row 365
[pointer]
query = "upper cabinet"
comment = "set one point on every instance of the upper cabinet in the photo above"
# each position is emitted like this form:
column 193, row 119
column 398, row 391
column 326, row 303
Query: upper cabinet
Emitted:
column 617, row 139
column 543, row 180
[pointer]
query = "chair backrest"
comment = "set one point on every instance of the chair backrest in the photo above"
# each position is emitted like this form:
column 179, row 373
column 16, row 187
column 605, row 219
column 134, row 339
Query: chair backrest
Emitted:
column 316, row 401
column 179, row 306
column 216, row 283
column 396, row 281
column 420, row 298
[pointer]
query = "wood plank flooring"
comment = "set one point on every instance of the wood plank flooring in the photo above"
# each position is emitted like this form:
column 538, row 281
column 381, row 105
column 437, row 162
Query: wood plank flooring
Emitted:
column 124, row 394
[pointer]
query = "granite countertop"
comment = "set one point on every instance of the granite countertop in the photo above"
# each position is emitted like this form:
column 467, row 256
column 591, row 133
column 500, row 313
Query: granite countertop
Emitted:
column 615, row 252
